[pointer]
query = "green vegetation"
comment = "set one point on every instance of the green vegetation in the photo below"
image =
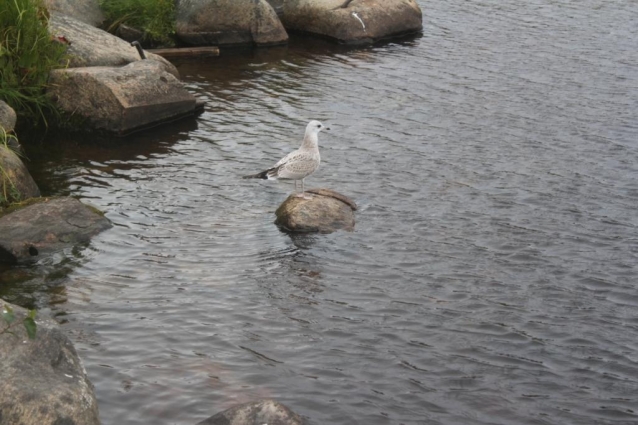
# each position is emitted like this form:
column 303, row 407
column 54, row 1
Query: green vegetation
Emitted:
column 8, row 316
column 156, row 18
column 27, row 54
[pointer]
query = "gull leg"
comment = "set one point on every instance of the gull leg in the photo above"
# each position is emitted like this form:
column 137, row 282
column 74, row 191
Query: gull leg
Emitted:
column 302, row 194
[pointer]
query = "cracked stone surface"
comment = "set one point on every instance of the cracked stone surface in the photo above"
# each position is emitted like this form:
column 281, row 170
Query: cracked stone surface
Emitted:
column 48, row 226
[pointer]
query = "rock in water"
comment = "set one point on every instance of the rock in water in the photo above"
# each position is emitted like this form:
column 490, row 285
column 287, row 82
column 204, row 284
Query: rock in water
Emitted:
column 123, row 99
column 42, row 381
column 353, row 21
column 325, row 212
column 48, row 225
column 259, row 412
column 228, row 22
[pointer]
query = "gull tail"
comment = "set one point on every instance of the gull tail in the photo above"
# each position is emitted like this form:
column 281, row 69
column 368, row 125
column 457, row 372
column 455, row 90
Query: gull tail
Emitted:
column 265, row 175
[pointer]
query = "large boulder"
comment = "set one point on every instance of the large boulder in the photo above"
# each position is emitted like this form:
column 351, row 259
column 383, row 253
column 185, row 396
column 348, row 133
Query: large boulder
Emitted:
column 89, row 46
column 46, row 226
column 42, row 381
column 322, row 210
column 259, row 412
column 16, row 184
column 87, row 11
column 121, row 100
column 353, row 21
column 228, row 22
column 7, row 117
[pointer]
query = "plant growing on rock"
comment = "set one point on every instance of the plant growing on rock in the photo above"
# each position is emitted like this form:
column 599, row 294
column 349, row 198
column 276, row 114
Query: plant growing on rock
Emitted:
column 156, row 18
column 9, row 319
column 27, row 54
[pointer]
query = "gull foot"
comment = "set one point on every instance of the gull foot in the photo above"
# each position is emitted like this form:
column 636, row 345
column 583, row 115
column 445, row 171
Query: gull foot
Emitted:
column 303, row 196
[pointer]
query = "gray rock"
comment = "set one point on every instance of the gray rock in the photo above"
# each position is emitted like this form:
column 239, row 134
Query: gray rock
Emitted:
column 278, row 6
column 121, row 100
column 228, row 22
column 15, row 180
column 91, row 46
column 258, row 412
column 7, row 117
column 46, row 226
column 353, row 21
column 325, row 212
column 87, row 11
column 129, row 34
column 42, row 381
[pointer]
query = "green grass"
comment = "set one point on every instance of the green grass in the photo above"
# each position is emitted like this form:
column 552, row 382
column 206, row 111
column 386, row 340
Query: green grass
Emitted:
column 27, row 54
column 155, row 17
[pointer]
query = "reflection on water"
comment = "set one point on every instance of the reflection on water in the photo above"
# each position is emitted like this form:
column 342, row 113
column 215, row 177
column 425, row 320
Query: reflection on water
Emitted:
column 490, row 278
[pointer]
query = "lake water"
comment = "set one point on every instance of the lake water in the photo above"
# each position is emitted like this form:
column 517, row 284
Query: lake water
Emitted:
column 491, row 277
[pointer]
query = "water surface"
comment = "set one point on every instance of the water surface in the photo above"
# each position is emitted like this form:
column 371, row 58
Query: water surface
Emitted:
column 491, row 275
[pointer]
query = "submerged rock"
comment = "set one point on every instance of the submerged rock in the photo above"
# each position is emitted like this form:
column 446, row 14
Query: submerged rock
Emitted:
column 325, row 211
column 87, row 11
column 259, row 412
column 122, row 99
column 228, row 22
column 42, row 381
column 16, row 184
column 48, row 225
column 353, row 21
column 89, row 46
column 7, row 117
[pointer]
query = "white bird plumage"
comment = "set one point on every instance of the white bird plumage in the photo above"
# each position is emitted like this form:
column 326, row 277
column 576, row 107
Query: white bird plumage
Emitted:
column 299, row 164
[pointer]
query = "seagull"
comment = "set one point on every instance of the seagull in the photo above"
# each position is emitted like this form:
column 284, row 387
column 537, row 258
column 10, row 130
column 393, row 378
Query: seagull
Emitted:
column 299, row 164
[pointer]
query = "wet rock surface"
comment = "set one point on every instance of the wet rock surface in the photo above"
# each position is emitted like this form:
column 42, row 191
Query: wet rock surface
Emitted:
column 46, row 226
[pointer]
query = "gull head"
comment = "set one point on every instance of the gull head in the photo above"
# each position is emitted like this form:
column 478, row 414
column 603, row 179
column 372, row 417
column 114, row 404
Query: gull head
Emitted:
column 314, row 127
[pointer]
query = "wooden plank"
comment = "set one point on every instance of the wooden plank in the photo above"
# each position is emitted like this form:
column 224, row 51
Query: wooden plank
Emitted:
column 187, row 52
